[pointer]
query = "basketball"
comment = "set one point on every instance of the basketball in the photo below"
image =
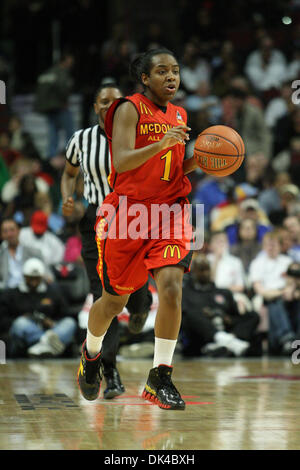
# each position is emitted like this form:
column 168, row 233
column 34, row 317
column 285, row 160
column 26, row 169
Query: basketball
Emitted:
column 219, row 151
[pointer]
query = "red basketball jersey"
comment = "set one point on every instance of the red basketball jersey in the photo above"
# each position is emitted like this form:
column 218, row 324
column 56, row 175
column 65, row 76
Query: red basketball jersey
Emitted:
column 161, row 178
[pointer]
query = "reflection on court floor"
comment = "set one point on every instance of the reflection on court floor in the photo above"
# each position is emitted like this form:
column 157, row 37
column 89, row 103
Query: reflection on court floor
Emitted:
column 231, row 404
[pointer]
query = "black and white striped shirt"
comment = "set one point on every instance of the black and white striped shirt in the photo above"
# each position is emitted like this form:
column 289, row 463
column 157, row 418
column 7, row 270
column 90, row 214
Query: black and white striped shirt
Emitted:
column 89, row 148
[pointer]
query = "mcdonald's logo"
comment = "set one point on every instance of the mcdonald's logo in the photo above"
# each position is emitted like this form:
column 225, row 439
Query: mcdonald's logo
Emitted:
column 144, row 109
column 172, row 251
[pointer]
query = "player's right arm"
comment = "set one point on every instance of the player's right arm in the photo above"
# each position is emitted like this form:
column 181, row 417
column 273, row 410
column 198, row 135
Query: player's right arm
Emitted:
column 125, row 156
column 189, row 165
column 67, row 186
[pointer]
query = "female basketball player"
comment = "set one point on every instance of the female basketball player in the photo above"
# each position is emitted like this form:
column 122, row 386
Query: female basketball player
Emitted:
column 147, row 136
column 88, row 151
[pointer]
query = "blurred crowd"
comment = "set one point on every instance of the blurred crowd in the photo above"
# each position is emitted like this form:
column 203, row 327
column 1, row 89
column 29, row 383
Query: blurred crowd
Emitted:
column 242, row 296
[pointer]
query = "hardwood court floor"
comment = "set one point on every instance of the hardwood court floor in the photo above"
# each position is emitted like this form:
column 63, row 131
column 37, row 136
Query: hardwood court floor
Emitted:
column 231, row 404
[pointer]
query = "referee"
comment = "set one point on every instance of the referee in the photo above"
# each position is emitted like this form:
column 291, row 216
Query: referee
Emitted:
column 88, row 150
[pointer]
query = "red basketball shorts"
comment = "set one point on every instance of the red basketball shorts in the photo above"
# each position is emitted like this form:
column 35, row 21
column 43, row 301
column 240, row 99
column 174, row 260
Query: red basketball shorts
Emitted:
column 134, row 238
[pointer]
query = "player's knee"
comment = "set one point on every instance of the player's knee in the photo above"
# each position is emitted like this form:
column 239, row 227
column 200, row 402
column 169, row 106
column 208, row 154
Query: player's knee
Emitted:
column 114, row 305
column 171, row 292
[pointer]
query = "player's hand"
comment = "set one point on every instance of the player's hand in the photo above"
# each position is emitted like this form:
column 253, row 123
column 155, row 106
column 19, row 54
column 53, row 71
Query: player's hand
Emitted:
column 175, row 135
column 68, row 206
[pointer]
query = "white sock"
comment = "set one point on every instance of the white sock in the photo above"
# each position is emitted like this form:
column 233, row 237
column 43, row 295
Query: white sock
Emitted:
column 93, row 344
column 163, row 351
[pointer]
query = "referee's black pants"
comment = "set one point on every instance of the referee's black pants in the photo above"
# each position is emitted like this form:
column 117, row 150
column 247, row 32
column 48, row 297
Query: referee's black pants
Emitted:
column 139, row 302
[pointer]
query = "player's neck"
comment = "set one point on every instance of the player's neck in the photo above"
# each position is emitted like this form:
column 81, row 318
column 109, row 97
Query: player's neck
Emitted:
column 155, row 99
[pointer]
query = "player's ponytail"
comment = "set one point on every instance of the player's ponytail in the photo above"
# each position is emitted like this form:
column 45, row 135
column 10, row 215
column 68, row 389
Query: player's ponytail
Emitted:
column 136, row 67
column 143, row 63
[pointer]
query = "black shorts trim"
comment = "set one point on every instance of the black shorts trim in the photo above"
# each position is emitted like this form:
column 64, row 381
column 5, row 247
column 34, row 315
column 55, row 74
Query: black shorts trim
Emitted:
column 140, row 301
column 186, row 261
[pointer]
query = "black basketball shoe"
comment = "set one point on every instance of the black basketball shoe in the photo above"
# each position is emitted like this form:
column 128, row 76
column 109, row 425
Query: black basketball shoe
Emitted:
column 89, row 375
column 160, row 389
column 113, row 382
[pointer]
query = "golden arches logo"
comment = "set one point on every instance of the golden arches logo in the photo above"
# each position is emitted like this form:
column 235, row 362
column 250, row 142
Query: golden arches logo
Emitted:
column 172, row 251
column 144, row 109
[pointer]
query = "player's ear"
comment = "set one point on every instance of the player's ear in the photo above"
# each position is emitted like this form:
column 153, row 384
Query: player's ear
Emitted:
column 96, row 108
column 145, row 79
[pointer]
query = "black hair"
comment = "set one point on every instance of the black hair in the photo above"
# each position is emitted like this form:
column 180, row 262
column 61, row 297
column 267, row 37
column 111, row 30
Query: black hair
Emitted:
column 107, row 83
column 239, row 238
column 23, row 182
column 143, row 63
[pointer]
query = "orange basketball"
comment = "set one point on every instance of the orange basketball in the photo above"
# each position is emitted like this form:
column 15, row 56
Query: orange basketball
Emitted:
column 219, row 150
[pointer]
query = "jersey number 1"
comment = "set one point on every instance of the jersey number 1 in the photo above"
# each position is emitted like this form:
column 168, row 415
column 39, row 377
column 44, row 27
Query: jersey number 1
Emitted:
column 168, row 157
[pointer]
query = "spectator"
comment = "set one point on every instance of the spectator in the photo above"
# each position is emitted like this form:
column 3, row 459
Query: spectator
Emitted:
column 212, row 191
column 110, row 48
column 248, row 120
column 249, row 208
column 222, row 82
column 120, row 69
column 287, row 144
column 225, row 55
column 293, row 68
column 212, row 323
column 238, row 82
column 269, row 197
column 4, row 174
column 227, row 212
column 20, row 169
column 254, row 171
column 202, row 99
column 242, row 83
column 13, row 254
column 154, row 37
column 266, row 275
column 9, row 154
column 227, row 270
column 195, row 69
column 23, row 203
column 266, row 66
column 291, row 297
column 286, row 242
column 52, row 95
column 20, row 140
column 43, row 202
column 247, row 246
column 292, row 224
column 73, row 245
column 37, row 236
column 286, row 131
column 35, row 314
column 289, row 196
column 279, row 106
